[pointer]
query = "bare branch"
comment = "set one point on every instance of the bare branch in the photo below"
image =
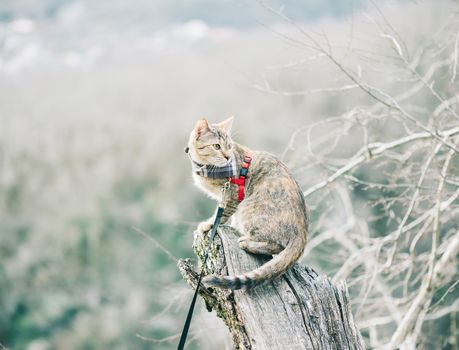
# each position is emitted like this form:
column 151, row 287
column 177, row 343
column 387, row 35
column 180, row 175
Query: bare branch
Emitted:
column 375, row 149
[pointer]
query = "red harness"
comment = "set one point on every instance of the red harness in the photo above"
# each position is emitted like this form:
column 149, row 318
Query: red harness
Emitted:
column 242, row 176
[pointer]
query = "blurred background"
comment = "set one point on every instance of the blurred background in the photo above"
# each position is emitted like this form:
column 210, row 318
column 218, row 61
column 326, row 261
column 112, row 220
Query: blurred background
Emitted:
column 97, row 99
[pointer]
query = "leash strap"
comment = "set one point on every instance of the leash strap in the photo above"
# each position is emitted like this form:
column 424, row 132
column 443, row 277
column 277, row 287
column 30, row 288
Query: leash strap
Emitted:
column 217, row 220
column 242, row 176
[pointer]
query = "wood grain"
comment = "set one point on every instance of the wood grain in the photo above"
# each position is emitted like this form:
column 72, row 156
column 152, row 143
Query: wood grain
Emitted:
column 300, row 310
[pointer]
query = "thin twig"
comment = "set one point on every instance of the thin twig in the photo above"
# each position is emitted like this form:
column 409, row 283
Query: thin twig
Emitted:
column 156, row 243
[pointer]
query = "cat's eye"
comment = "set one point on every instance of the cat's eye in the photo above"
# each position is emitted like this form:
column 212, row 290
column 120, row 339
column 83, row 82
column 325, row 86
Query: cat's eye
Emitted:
column 217, row 146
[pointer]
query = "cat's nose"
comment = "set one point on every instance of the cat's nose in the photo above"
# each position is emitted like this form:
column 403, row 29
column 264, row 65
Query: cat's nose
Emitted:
column 187, row 149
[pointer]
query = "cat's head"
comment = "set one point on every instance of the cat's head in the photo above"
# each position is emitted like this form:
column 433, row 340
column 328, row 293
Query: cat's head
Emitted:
column 211, row 143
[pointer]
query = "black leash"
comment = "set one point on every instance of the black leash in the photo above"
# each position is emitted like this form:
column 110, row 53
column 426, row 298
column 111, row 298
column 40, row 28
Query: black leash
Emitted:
column 218, row 217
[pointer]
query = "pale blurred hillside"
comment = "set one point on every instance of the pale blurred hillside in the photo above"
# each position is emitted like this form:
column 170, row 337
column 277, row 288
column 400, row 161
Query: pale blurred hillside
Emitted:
column 95, row 110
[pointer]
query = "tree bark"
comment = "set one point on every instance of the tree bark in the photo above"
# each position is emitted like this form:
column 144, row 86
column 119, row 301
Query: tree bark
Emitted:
column 300, row 310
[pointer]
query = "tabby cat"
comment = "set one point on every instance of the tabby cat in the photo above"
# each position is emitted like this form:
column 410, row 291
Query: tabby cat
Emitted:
column 272, row 218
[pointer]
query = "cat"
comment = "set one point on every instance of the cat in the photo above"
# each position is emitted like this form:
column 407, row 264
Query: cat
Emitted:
column 272, row 218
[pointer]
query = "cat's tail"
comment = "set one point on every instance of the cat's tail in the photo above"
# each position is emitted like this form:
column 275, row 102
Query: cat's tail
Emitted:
column 275, row 267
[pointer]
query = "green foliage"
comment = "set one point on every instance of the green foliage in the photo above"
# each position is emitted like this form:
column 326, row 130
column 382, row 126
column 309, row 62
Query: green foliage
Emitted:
column 63, row 286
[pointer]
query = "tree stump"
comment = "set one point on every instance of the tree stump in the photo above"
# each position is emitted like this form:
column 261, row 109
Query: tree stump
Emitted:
column 300, row 310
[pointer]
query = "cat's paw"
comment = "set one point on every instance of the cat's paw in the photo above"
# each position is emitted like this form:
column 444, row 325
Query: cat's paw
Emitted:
column 205, row 226
column 243, row 242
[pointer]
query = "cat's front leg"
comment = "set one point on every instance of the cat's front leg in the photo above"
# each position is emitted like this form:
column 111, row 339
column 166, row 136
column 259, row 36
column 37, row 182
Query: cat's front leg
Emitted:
column 205, row 226
column 200, row 232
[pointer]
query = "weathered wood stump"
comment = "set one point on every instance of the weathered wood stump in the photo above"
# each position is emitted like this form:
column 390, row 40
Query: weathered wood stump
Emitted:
column 300, row 310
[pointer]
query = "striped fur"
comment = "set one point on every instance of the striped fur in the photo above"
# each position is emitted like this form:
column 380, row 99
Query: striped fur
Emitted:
column 270, row 270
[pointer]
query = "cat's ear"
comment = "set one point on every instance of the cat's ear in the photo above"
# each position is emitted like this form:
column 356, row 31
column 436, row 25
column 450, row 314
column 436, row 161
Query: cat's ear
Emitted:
column 202, row 125
column 226, row 124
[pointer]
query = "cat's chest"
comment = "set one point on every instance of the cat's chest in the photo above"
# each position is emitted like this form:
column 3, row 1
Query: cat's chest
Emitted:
column 211, row 187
